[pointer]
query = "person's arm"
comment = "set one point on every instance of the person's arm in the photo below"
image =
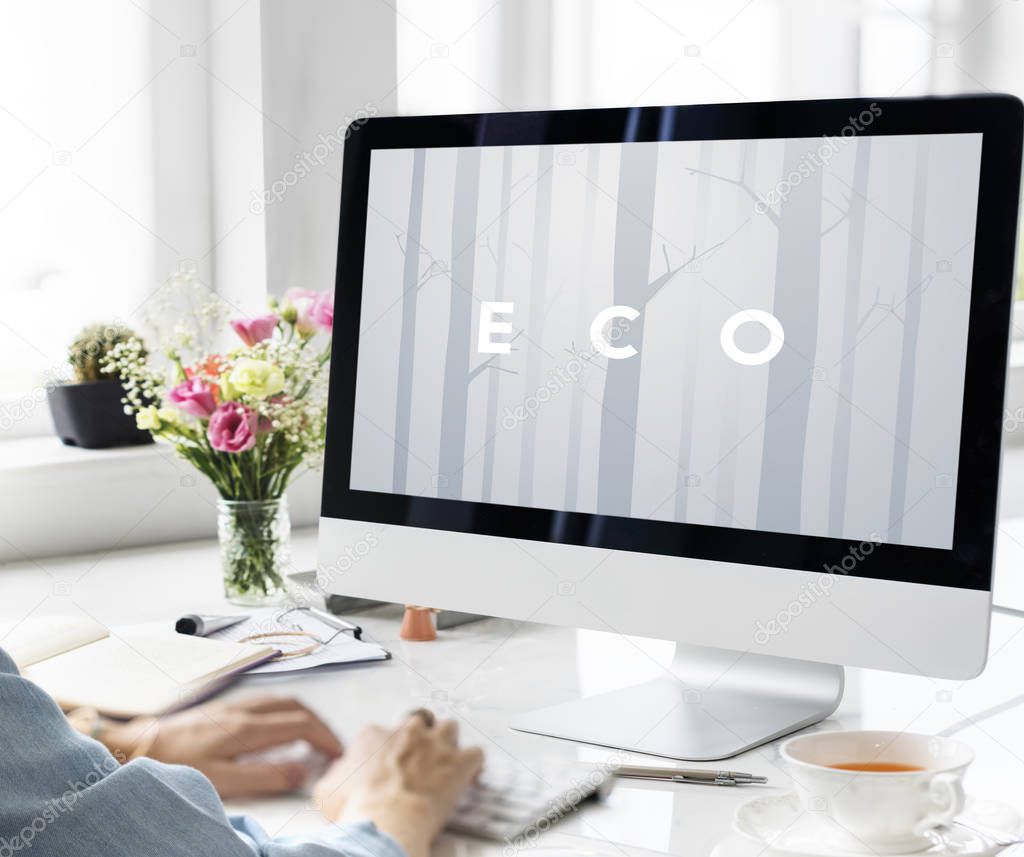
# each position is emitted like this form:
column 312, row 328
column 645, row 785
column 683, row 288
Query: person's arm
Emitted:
column 64, row 794
column 216, row 737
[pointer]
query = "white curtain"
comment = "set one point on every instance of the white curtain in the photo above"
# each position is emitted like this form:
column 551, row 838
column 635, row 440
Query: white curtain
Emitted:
column 534, row 54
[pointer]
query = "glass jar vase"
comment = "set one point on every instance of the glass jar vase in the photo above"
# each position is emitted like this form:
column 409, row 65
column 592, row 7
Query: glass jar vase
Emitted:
column 255, row 549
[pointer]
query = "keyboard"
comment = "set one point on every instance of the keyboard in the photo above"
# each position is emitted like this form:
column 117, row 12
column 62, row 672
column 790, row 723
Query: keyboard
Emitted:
column 512, row 799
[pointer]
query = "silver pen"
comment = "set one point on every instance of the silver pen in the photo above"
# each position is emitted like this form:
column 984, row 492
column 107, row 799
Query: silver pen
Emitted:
column 688, row 775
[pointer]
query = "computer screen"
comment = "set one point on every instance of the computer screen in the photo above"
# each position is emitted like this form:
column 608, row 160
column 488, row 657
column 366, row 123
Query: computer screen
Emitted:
column 761, row 334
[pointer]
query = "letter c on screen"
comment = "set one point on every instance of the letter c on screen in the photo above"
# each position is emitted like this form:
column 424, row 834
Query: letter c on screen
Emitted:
column 601, row 345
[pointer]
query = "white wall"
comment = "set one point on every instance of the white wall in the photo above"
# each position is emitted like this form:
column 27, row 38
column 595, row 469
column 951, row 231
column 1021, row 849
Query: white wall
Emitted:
column 324, row 65
column 238, row 248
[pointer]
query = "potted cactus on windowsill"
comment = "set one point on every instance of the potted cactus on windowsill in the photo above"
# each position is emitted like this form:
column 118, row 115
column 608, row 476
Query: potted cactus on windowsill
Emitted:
column 89, row 411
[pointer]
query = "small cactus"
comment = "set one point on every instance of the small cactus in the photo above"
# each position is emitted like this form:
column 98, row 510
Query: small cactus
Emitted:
column 89, row 349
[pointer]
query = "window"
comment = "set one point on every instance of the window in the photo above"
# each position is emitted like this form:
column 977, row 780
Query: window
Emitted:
column 524, row 54
column 104, row 187
column 76, row 191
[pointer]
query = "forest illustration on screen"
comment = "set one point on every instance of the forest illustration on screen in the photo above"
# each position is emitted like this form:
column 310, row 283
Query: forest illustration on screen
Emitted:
column 759, row 334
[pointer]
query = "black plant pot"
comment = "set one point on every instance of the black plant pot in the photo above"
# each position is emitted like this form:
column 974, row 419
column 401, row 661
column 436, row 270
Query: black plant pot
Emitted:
column 91, row 416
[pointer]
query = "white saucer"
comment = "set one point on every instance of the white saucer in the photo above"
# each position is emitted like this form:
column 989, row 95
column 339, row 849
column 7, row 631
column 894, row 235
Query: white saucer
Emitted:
column 779, row 823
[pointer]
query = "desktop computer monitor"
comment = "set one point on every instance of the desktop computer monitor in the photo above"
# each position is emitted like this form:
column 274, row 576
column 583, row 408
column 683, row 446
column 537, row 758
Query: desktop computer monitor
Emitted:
column 729, row 375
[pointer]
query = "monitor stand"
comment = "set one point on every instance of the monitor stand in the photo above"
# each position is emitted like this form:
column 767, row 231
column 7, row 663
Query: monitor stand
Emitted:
column 711, row 704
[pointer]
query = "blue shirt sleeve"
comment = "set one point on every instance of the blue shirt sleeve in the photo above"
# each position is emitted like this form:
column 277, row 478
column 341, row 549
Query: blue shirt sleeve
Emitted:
column 65, row 794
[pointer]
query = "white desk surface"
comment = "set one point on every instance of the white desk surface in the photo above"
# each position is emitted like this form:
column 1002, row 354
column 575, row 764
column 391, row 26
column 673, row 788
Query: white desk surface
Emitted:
column 485, row 671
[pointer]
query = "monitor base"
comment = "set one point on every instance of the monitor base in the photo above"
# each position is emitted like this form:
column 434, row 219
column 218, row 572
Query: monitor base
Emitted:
column 713, row 704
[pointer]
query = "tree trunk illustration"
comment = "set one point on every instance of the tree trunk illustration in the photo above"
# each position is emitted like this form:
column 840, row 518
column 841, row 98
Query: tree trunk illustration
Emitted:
column 638, row 170
column 691, row 343
column 535, row 331
column 795, row 305
column 848, row 354
column 581, row 345
column 406, row 348
column 726, row 482
column 494, row 378
column 908, row 358
column 455, row 393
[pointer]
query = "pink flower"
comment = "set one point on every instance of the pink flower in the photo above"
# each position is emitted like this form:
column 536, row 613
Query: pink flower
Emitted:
column 322, row 311
column 194, row 397
column 232, row 428
column 253, row 330
column 302, row 300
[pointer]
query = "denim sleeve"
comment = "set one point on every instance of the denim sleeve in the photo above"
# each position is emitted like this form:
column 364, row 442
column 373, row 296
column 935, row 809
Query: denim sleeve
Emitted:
column 63, row 793
column 358, row 839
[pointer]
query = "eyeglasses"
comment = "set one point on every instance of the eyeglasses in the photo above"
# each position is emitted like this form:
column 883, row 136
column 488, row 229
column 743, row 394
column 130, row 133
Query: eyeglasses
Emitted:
column 292, row 630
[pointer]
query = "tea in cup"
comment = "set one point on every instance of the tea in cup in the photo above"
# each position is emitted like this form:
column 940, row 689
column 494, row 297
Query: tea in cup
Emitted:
column 885, row 791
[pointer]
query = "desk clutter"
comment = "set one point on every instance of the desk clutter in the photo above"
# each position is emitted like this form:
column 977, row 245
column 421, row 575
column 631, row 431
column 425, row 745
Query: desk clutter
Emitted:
column 151, row 669
column 304, row 637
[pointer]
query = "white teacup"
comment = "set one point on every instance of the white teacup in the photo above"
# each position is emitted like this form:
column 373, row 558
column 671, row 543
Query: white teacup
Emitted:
column 874, row 811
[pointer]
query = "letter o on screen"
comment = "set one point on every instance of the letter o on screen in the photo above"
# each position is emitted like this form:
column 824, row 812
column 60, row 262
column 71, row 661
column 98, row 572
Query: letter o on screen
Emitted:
column 752, row 358
column 601, row 345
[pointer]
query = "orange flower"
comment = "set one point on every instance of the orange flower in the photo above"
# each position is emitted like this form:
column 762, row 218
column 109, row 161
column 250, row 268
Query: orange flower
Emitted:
column 211, row 367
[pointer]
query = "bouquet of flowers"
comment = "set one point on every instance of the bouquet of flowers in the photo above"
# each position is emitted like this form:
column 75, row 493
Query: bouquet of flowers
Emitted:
column 246, row 417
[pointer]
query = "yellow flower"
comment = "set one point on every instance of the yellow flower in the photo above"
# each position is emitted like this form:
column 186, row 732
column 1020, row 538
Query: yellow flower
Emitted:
column 256, row 378
column 148, row 419
column 227, row 392
column 168, row 415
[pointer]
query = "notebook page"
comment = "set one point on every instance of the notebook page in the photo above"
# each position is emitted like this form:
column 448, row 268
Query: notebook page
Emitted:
column 141, row 670
column 39, row 638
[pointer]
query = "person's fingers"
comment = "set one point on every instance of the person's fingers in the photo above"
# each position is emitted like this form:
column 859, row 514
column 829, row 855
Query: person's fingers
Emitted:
column 374, row 733
column 260, row 731
column 255, row 779
column 472, row 759
column 415, row 725
column 424, row 714
column 262, row 705
column 409, row 735
column 448, row 731
column 267, row 704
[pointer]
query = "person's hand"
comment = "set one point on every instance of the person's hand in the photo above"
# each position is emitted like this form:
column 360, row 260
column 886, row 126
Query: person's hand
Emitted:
column 212, row 736
column 408, row 781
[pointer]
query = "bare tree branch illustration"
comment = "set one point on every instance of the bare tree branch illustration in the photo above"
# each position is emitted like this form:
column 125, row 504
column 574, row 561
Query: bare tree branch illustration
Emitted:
column 834, row 224
column 583, row 356
column 844, row 213
column 433, row 270
column 486, row 243
column 434, row 267
column 742, row 185
column 491, row 362
column 658, row 284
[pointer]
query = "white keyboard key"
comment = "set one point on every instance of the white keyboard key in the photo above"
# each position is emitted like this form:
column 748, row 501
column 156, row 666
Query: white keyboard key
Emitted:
column 509, row 799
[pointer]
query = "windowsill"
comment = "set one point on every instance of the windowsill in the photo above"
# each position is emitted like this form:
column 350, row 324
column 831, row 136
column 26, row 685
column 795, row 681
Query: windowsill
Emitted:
column 61, row 500
column 24, row 453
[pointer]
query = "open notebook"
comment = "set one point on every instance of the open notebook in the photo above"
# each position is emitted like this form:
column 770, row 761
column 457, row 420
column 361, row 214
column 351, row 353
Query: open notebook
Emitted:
column 126, row 671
